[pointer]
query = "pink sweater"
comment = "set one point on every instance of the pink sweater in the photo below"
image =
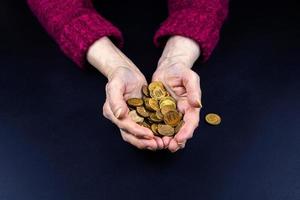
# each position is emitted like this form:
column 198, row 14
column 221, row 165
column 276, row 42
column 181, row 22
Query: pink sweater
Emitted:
column 75, row 24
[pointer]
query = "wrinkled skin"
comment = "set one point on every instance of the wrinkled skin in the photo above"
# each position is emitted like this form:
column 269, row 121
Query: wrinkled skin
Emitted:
column 184, row 85
column 125, row 83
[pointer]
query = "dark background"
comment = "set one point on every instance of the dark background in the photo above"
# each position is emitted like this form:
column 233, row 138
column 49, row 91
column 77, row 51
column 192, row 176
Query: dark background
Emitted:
column 55, row 143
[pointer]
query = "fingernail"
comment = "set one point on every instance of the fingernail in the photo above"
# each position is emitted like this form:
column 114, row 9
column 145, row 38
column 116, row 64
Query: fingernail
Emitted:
column 118, row 113
column 199, row 104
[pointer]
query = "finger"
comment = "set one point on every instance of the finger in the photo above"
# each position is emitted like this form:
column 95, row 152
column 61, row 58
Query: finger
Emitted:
column 135, row 129
column 191, row 119
column 166, row 141
column 160, row 143
column 183, row 105
column 173, row 146
column 191, row 81
column 115, row 90
column 128, row 125
column 139, row 143
column 180, row 91
column 106, row 111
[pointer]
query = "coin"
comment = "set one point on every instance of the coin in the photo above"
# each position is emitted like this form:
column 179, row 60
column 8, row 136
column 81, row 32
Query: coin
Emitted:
column 153, row 103
column 142, row 111
column 159, row 115
column 155, row 84
column 167, row 108
column 165, row 130
column 172, row 118
column 167, row 102
column 144, row 124
column 145, row 90
column 154, row 129
column 158, row 93
column 167, row 98
column 213, row 119
column 135, row 117
column 135, row 102
column 154, row 118
column 178, row 127
column 146, row 103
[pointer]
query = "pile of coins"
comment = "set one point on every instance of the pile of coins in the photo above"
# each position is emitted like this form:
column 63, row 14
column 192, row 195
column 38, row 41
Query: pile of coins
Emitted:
column 156, row 110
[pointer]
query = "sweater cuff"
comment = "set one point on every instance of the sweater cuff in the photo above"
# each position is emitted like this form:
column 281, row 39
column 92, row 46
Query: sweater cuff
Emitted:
column 78, row 35
column 202, row 27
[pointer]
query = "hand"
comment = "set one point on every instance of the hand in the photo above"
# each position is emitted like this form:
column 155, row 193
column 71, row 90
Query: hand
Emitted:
column 174, row 70
column 124, row 81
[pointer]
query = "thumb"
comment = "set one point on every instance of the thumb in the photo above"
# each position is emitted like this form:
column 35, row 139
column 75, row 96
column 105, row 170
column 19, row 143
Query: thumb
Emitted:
column 114, row 91
column 192, row 85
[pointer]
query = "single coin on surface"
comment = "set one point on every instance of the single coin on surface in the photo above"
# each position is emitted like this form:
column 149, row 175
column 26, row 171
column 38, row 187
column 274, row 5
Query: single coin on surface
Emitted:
column 213, row 119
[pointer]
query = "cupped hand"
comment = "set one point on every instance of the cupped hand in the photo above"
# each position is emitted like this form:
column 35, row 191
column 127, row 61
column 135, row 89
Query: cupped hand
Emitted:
column 174, row 71
column 184, row 85
column 124, row 81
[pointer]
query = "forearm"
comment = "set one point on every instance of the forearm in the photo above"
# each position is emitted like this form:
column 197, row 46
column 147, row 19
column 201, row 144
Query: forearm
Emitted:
column 179, row 49
column 106, row 57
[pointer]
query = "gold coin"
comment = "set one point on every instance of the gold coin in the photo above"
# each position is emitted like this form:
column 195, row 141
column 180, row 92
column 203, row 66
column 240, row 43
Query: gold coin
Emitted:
column 153, row 104
column 135, row 117
column 167, row 98
column 154, row 118
column 155, row 84
column 159, row 115
column 167, row 102
column 154, row 129
column 167, row 108
column 135, row 102
column 142, row 111
column 178, row 127
column 158, row 93
column 145, row 90
column 148, row 120
column 172, row 118
column 213, row 119
column 146, row 103
column 165, row 130
column 144, row 124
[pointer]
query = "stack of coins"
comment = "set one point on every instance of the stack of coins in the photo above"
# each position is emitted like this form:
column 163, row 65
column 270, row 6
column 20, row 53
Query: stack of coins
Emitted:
column 156, row 110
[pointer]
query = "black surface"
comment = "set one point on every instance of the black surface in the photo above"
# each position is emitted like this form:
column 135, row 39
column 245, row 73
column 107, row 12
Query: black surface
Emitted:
column 55, row 144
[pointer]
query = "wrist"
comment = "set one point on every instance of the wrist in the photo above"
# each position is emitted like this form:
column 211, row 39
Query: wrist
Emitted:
column 179, row 49
column 106, row 57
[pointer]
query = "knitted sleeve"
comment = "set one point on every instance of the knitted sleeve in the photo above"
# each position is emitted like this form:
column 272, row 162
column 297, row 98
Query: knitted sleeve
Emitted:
column 200, row 20
column 74, row 24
